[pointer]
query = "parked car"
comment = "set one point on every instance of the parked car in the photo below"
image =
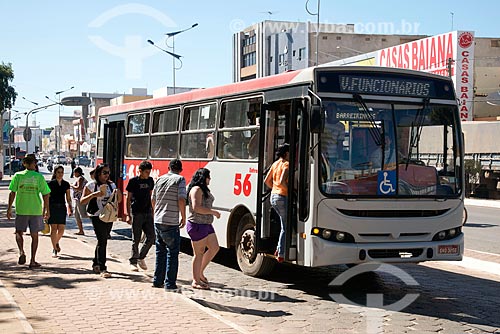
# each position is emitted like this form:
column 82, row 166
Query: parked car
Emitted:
column 82, row 160
column 61, row 160
column 17, row 166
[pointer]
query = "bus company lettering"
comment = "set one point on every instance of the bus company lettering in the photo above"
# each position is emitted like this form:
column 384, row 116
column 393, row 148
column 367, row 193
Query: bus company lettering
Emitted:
column 133, row 171
column 359, row 84
column 253, row 170
column 428, row 54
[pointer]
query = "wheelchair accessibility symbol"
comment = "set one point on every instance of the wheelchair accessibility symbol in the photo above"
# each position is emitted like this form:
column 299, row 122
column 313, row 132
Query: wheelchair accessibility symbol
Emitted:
column 386, row 181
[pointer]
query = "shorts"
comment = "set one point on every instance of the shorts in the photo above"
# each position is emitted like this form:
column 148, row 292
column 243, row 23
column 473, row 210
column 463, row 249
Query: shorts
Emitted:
column 198, row 232
column 34, row 222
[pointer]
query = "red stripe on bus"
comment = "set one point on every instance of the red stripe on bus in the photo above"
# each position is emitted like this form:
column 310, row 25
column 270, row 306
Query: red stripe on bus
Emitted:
column 208, row 93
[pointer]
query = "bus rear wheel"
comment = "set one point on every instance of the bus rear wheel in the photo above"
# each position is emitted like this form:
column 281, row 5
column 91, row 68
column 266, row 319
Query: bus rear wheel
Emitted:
column 250, row 262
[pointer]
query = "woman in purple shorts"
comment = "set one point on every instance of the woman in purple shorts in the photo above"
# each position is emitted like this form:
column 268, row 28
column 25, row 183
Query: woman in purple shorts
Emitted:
column 199, row 226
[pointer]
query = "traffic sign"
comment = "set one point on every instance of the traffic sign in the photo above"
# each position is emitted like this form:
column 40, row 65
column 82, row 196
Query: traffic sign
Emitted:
column 27, row 134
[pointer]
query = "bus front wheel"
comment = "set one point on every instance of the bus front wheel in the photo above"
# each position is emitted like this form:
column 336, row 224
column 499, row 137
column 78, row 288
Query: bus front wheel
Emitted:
column 250, row 262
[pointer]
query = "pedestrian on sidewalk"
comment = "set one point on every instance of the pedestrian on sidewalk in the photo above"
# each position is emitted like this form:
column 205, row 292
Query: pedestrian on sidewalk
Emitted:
column 199, row 226
column 26, row 187
column 169, row 198
column 96, row 194
column 80, row 209
column 140, row 214
column 73, row 166
column 60, row 206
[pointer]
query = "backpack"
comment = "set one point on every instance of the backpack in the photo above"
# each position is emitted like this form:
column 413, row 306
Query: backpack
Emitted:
column 109, row 212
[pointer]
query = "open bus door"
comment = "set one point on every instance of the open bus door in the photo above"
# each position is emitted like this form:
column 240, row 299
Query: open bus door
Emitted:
column 283, row 119
column 114, row 139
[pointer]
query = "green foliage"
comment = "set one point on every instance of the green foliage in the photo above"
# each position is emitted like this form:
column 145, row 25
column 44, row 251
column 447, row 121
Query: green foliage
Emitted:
column 7, row 92
column 472, row 170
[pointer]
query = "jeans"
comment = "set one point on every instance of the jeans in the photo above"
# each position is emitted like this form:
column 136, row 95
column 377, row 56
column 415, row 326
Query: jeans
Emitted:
column 102, row 231
column 279, row 204
column 141, row 222
column 168, row 242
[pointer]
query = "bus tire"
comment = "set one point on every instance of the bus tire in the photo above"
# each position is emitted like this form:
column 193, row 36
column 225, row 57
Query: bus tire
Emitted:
column 250, row 263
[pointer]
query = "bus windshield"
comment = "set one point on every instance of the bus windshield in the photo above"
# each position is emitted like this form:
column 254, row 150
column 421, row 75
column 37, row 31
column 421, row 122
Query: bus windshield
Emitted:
column 376, row 149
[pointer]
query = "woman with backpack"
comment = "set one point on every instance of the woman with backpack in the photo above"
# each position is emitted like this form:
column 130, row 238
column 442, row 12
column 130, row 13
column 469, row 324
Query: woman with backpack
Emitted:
column 96, row 194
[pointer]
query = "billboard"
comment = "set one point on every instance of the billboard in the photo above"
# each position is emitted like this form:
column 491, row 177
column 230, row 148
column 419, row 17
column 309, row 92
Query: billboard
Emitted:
column 449, row 54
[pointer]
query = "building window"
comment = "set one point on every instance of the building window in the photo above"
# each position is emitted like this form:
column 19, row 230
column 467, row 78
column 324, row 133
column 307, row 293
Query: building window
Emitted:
column 325, row 37
column 339, row 38
column 249, row 40
column 302, row 53
column 249, row 59
column 495, row 43
column 282, row 60
column 367, row 39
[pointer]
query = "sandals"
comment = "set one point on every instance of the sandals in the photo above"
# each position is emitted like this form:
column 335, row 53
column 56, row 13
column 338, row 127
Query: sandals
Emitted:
column 204, row 280
column 34, row 265
column 79, row 233
column 58, row 249
column 200, row 285
column 22, row 259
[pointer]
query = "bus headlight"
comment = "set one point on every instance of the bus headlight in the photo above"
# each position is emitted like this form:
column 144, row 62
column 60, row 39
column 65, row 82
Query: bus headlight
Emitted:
column 447, row 234
column 331, row 235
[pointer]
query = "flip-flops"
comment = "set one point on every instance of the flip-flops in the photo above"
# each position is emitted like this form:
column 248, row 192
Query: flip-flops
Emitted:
column 200, row 285
column 58, row 249
column 22, row 259
column 34, row 265
column 79, row 233
column 204, row 280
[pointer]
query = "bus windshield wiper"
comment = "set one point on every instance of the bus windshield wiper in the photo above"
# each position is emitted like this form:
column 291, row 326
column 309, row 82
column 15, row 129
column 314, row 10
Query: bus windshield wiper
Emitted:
column 373, row 129
column 416, row 129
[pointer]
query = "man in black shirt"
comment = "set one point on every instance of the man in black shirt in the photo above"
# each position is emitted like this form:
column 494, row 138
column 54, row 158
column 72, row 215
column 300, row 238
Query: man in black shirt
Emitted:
column 140, row 214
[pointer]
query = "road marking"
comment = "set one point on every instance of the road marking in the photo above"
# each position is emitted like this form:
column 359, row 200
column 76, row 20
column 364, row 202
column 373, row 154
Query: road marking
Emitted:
column 480, row 265
column 17, row 311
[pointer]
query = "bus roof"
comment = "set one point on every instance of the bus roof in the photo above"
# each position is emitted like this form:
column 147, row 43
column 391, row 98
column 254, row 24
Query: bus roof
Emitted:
column 208, row 93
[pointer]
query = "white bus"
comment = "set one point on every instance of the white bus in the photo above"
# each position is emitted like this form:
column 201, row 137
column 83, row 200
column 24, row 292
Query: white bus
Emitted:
column 365, row 195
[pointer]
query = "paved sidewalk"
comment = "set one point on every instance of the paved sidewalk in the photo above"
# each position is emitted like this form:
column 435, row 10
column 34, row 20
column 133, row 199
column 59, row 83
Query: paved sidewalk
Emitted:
column 64, row 296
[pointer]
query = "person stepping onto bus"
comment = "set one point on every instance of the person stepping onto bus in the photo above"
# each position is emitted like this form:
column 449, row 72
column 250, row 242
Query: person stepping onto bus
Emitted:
column 168, row 198
column 140, row 214
column 277, row 180
column 199, row 226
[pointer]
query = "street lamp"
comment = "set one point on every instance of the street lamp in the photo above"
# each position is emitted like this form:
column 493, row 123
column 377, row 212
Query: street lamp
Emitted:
column 66, row 101
column 35, row 103
column 58, row 137
column 317, row 26
column 172, row 35
column 175, row 56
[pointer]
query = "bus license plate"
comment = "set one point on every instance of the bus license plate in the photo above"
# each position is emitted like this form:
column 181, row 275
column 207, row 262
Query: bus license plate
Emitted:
column 449, row 249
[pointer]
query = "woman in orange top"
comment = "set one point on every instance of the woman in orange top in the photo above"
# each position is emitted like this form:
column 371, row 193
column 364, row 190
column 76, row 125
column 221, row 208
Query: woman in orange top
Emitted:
column 277, row 180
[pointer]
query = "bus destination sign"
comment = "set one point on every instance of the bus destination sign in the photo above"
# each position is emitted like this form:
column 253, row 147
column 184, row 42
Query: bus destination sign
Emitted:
column 382, row 83
column 385, row 86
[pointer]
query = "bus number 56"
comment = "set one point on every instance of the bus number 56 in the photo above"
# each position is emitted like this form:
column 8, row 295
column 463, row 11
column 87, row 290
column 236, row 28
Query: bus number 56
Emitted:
column 240, row 186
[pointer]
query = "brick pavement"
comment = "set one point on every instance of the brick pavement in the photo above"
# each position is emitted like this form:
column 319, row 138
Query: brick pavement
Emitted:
column 65, row 296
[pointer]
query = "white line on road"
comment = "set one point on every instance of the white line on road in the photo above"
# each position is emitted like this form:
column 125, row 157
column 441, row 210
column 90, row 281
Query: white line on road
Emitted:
column 480, row 265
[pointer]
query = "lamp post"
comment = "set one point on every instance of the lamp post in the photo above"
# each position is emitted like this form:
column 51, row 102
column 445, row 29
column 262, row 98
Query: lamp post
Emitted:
column 172, row 35
column 58, row 132
column 10, row 137
column 175, row 56
column 317, row 27
column 66, row 101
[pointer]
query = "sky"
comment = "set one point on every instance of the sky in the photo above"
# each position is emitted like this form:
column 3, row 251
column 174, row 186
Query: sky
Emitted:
column 101, row 46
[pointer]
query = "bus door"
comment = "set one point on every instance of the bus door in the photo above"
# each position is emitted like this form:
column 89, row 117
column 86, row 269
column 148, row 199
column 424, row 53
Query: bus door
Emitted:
column 114, row 139
column 281, row 122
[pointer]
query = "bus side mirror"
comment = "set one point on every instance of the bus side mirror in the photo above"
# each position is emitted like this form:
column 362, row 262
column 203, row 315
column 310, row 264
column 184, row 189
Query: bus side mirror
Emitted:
column 317, row 121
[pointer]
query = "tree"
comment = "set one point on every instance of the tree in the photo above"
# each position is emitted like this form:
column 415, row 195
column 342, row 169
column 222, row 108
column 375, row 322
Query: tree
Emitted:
column 7, row 99
column 7, row 92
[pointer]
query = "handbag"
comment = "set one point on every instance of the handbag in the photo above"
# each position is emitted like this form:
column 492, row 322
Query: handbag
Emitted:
column 109, row 212
column 46, row 228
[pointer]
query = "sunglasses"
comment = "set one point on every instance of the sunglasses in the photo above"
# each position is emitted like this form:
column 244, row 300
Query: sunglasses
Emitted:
column 105, row 172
